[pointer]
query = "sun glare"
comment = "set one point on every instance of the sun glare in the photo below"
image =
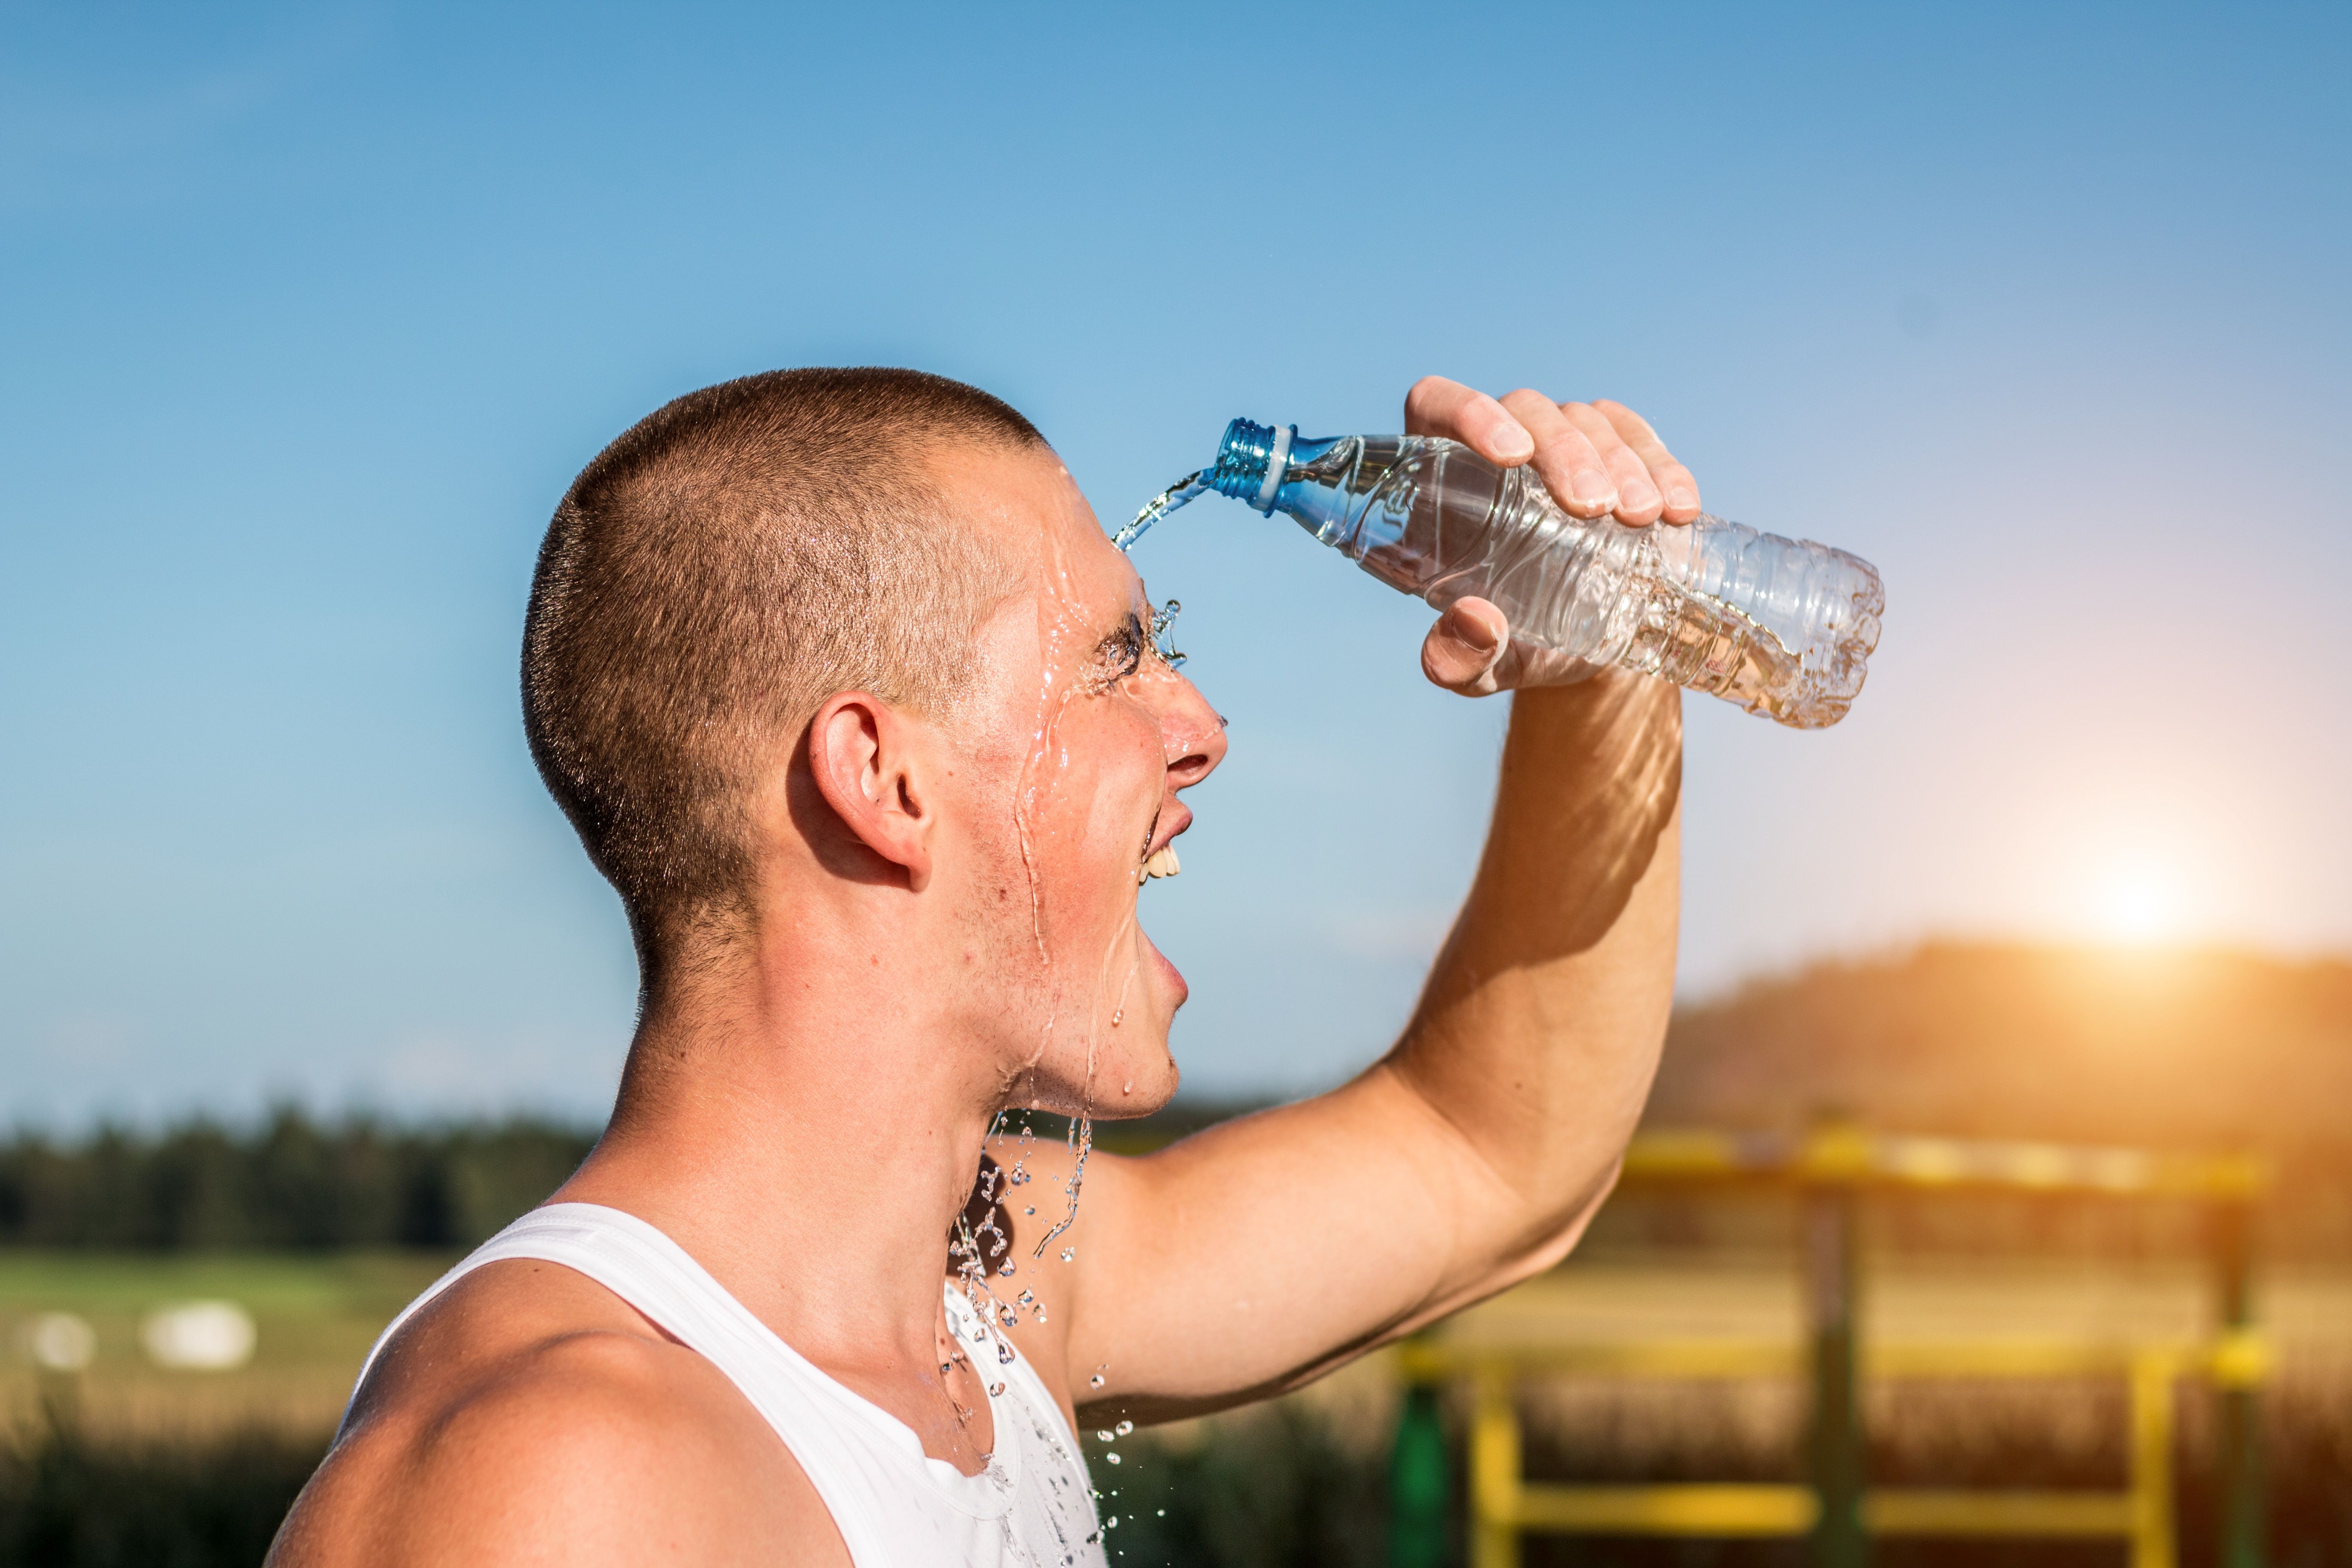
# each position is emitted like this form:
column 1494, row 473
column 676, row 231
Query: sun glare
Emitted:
column 2140, row 903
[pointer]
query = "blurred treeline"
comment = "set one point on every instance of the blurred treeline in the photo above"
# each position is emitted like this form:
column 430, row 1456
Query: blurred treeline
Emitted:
column 2202, row 1050
column 292, row 1182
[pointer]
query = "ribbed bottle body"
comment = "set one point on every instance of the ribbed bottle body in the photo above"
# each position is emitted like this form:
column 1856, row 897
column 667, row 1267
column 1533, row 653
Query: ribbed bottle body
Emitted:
column 1783, row 627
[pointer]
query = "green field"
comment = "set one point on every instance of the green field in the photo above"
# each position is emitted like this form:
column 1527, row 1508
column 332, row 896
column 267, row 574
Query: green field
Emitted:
column 316, row 1314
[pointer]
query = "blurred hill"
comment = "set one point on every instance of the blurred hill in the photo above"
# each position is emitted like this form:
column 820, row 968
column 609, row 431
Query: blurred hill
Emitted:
column 2204, row 1048
column 2207, row 1050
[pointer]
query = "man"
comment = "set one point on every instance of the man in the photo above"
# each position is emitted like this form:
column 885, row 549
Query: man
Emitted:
column 847, row 695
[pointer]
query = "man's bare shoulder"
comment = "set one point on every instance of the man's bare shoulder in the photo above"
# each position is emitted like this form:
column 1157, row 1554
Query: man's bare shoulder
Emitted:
column 528, row 1416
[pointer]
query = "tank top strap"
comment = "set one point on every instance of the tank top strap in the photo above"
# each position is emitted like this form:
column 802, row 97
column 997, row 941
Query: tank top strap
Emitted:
column 859, row 1455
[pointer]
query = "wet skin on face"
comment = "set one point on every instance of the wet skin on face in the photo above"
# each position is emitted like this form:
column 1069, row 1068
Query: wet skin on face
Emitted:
column 1081, row 737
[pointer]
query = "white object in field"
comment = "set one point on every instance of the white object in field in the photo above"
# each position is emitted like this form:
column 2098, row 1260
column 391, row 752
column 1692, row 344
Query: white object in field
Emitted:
column 60, row 1341
column 199, row 1336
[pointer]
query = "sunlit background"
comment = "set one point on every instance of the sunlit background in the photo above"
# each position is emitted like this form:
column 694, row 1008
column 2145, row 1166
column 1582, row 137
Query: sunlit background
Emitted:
column 309, row 313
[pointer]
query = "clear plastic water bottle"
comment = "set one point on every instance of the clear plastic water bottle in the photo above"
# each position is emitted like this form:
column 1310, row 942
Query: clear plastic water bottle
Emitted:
column 1783, row 627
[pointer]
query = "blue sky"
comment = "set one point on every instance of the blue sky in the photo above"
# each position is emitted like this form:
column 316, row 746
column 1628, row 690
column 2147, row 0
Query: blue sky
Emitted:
column 309, row 313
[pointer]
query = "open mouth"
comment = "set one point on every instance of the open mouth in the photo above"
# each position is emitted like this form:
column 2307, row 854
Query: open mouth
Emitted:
column 1161, row 862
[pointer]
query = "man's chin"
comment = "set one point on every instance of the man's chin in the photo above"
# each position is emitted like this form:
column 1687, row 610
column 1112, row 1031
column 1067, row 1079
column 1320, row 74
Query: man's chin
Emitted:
column 1118, row 1094
column 1139, row 1101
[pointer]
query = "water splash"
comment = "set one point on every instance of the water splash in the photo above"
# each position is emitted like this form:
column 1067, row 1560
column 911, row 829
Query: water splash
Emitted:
column 1184, row 489
column 972, row 1258
column 1163, row 622
column 1082, row 1140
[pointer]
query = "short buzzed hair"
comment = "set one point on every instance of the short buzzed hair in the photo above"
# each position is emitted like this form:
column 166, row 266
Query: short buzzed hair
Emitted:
column 731, row 561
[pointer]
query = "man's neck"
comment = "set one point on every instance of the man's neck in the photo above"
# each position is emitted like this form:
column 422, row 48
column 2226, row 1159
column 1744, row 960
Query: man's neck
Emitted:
column 809, row 1148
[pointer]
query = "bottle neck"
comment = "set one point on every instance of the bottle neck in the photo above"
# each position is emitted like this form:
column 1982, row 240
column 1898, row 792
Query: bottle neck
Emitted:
column 1255, row 461
column 1251, row 462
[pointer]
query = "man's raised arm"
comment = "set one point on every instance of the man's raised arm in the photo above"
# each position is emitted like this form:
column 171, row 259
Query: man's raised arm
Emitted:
column 1261, row 1253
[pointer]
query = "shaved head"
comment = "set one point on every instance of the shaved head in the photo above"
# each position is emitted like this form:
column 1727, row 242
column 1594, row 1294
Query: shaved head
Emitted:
column 715, row 574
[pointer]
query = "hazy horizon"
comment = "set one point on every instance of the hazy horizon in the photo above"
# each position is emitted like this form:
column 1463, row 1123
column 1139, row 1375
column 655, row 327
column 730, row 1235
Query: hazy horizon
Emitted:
column 2102, row 965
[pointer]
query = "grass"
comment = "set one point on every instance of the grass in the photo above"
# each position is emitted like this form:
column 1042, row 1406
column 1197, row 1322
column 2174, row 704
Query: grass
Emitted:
column 179, row 1502
column 189, row 1468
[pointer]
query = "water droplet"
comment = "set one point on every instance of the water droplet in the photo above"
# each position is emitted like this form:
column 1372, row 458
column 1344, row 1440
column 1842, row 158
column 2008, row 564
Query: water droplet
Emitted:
column 995, row 1391
column 1112, row 1458
column 1103, row 1436
column 1124, row 1428
column 1031, row 1209
column 1027, row 1298
column 1070, row 1255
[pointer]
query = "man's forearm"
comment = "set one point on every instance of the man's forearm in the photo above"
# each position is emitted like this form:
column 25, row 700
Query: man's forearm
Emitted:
column 1538, row 1031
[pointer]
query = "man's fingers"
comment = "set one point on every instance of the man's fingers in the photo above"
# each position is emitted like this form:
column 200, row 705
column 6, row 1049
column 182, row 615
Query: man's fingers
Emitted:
column 1594, row 458
column 1674, row 480
column 1469, row 651
column 1572, row 468
column 1461, row 651
column 1436, row 406
column 1639, row 500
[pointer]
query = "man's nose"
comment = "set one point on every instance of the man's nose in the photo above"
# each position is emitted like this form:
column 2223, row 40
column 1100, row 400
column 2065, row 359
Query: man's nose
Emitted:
column 1193, row 734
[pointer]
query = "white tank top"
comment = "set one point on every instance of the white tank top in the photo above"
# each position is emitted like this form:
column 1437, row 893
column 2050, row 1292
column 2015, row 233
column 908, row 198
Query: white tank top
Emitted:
column 896, row 1505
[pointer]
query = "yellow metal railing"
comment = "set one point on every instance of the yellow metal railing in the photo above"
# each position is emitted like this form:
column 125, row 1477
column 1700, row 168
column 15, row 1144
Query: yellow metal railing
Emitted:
column 1843, row 1153
column 1504, row 1505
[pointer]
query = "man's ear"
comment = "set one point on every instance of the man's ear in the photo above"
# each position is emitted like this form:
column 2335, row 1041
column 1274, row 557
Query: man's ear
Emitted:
column 867, row 759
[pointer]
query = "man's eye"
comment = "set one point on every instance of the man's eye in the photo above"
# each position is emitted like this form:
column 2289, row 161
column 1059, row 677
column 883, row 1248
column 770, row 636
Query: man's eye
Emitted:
column 1121, row 653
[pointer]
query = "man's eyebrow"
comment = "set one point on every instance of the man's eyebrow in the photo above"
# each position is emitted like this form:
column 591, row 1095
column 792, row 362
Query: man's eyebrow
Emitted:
column 1128, row 630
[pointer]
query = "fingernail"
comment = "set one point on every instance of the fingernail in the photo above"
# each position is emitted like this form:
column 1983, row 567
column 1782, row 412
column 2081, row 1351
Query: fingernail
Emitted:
column 1680, row 499
column 1592, row 488
column 1514, row 442
column 1639, row 496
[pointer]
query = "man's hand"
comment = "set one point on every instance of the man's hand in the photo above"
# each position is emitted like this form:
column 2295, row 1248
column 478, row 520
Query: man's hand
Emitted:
column 1596, row 459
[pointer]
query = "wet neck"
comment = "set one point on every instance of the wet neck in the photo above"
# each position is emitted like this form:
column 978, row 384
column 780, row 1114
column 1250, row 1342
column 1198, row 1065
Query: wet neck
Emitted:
column 810, row 1146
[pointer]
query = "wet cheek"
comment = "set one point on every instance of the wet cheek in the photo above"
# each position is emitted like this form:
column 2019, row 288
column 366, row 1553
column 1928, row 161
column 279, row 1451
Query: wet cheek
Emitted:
column 1113, row 772
column 1118, row 808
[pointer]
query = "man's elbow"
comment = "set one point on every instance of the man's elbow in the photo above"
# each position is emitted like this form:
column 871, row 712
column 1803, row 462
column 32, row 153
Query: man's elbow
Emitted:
column 1553, row 1231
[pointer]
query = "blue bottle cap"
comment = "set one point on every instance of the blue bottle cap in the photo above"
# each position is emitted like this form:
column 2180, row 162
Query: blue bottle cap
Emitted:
column 1251, row 462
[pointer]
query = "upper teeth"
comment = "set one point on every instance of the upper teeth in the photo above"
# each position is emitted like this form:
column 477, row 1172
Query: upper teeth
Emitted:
column 1162, row 864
